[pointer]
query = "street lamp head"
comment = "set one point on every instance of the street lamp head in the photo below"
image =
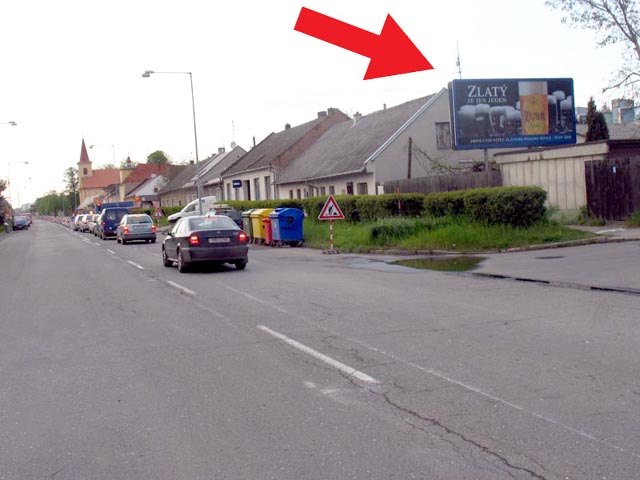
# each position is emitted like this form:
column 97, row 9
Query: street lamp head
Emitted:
column 147, row 73
column 12, row 123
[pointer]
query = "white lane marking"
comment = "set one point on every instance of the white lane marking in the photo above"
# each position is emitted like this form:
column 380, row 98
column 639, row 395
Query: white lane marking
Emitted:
column 611, row 230
column 256, row 299
column 181, row 288
column 135, row 265
column 111, row 252
column 352, row 372
column 96, row 243
column 449, row 379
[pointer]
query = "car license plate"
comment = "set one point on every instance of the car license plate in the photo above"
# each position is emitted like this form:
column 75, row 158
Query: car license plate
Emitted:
column 219, row 240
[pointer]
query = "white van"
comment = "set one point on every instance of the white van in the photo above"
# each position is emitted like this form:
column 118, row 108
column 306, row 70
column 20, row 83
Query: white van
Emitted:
column 192, row 209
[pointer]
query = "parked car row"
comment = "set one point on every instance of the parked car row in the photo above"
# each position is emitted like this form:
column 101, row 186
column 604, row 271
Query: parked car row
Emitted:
column 193, row 239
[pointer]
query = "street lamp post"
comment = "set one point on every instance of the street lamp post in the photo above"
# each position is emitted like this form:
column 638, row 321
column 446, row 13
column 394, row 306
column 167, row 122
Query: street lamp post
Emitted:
column 24, row 162
column 147, row 74
column 113, row 151
column 12, row 123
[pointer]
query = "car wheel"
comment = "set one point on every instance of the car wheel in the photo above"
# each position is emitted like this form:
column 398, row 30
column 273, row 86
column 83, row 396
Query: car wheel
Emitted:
column 123, row 241
column 241, row 264
column 182, row 267
column 165, row 259
column 153, row 240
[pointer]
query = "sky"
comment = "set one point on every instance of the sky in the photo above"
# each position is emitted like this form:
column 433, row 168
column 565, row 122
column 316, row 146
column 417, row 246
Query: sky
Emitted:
column 72, row 70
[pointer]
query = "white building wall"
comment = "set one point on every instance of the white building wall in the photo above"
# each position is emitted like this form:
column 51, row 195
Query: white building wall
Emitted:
column 250, row 193
column 331, row 186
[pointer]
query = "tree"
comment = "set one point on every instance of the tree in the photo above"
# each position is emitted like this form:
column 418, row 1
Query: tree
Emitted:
column 158, row 158
column 71, row 184
column 616, row 21
column 596, row 125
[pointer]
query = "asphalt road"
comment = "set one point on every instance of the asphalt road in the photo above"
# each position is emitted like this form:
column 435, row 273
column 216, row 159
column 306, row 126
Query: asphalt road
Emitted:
column 304, row 366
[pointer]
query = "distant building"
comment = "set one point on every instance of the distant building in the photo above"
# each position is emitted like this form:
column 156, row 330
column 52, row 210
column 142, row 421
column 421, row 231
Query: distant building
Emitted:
column 623, row 111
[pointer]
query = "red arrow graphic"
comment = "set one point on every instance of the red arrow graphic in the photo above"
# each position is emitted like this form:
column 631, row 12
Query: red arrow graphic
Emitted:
column 391, row 52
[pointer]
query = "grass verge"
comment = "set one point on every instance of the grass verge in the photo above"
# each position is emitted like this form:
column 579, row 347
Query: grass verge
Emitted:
column 445, row 233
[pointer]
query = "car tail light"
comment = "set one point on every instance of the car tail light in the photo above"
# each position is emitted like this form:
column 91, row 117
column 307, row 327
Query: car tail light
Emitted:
column 153, row 228
column 194, row 240
column 104, row 224
column 125, row 229
column 242, row 237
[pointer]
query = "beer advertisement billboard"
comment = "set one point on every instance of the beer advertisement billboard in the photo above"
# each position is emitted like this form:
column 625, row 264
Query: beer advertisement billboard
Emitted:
column 508, row 113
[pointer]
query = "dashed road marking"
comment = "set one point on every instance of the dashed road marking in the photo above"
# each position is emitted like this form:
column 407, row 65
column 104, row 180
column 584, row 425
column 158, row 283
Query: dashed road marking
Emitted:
column 352, row 372
column 135, row 265
column 181, row 288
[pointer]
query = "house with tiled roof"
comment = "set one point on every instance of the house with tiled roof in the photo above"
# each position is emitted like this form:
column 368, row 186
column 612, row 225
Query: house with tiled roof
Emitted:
column 357, row 157
column 182, row 189
column 254, row 176
column 92, row 183
column 212, row 183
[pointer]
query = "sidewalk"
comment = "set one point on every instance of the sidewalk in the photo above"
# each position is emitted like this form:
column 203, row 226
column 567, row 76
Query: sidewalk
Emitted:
column 609, row 262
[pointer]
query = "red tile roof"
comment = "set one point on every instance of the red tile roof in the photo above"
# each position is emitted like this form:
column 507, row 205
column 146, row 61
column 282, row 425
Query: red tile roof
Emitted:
column 144, row 171
column 101, row 178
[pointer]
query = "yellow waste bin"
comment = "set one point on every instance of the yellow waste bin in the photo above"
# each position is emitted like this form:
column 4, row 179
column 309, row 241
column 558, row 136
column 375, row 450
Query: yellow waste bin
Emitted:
column 257, row 225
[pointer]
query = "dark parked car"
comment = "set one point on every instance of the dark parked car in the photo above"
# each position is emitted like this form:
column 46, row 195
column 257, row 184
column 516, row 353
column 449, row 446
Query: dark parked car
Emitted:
column 207, row 238
column 110, row 219
column 20, row 222
column 230, row 212
column 136, row 227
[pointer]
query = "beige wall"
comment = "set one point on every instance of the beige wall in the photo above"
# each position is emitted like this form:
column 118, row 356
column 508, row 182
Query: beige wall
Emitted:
column 559, row 171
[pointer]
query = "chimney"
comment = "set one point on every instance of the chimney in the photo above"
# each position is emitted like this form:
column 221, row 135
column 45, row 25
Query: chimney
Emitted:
column 384, row 107
column 332, row 111
column 322, row 114
column 254, row 141
column 287, row 126
column 357, row 117
column 233, row 145
column 220, row 150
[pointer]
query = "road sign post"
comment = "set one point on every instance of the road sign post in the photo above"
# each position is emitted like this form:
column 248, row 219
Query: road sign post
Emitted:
column 331, row 211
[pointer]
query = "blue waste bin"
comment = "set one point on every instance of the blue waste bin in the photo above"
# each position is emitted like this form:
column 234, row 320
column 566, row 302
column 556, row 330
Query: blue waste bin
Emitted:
column 286, row 226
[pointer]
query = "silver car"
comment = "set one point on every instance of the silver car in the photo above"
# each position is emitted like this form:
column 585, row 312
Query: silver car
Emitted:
column 136, row 227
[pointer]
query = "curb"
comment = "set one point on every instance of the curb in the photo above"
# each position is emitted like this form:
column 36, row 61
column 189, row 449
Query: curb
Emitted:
column 560, row 284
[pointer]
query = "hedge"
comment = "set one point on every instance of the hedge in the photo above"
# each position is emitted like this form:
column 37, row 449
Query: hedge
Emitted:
column 517, row 206
column 445, row 203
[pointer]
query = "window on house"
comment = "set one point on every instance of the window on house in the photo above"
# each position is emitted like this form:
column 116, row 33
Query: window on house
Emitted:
column 290, row 193
column 298, row 194
column 323, row 190
column 332, row 190
column 228, row 192
column 349, row 188
column 267, row 187
column 362, row 188
column 306, row 193
column 443, row 135
column 84, row 171
column 256, row 188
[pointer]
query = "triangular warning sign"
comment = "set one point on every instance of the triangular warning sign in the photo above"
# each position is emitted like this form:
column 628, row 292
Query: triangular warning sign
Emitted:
column 331, row 210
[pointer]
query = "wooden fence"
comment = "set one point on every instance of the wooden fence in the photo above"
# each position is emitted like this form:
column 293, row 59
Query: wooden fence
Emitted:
column 444, row 183
column 613, row 187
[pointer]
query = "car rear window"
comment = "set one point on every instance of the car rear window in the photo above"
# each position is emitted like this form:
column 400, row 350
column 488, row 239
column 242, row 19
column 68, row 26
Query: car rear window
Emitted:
column 210, row 223
column 115, row 215
column 144, row 219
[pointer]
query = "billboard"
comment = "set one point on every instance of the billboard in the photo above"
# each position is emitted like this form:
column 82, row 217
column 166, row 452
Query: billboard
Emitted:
column 507, row 113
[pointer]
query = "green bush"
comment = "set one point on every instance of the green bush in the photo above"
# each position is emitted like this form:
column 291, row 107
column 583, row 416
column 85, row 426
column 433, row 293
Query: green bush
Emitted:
column 634, row 221
column 445, row 203
column 517, row 206
column 373, row 207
